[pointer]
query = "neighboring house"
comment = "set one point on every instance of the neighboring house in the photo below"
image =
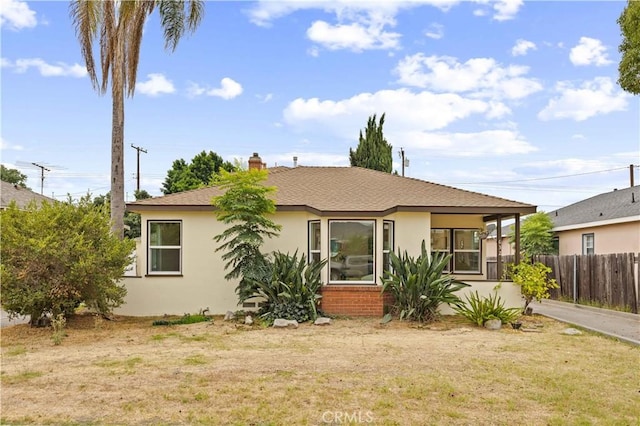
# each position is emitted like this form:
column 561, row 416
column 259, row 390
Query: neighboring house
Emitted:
column 506, row 248
column 350, row 215
column 606, row 223
column 22, row 196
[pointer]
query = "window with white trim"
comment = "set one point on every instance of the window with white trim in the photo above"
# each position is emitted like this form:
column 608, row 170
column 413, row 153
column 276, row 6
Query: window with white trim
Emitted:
column 165, row 247
column 352, row 257
column 588, row 244
column 314, row 241
column 387, row 244
column 464, row 244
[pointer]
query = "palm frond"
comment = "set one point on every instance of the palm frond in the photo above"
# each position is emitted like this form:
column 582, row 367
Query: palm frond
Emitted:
column 85, row 15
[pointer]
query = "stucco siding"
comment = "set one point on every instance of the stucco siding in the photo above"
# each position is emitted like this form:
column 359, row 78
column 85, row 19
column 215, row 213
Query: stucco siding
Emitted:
column 616, row 238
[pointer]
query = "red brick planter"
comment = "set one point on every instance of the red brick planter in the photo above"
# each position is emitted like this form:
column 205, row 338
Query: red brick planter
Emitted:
column 354, row 300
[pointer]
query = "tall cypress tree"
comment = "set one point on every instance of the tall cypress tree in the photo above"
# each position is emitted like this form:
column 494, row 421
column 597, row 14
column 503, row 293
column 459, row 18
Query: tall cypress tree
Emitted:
column 373, row 151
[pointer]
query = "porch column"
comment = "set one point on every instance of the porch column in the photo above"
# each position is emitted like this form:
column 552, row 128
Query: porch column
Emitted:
column 499, row 247
column 517, row 248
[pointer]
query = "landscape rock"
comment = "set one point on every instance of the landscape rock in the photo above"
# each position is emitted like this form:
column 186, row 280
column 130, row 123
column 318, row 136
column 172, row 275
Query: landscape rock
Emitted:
column 229, row 316
column 571, row 331
column 248, row 320
column 493, row 324
column 284, row 323
column 322, row 321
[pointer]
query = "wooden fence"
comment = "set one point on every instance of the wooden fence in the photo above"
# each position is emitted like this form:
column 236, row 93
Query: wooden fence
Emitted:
column 607, row 279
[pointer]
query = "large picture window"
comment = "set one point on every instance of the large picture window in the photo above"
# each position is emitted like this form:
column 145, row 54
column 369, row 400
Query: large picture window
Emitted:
column 352, row 245
column 165, row 248
column 464, row 244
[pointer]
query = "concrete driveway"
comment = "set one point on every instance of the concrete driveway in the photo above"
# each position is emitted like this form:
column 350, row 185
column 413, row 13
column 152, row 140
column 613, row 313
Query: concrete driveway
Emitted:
column 5, row 321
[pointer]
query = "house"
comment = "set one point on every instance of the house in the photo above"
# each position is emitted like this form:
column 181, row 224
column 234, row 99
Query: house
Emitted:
column 22, row 196
column 506, row 248
column 604, row 224
column 352, row 216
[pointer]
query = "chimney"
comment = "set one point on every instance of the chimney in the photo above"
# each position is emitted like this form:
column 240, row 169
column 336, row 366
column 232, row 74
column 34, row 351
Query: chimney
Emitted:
column 255, row 162
column 295, row 161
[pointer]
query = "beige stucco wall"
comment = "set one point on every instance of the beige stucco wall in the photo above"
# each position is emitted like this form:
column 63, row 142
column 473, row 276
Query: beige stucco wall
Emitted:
column 508, row 292
column 492, row 249
column 202, row 284
column 615, row 238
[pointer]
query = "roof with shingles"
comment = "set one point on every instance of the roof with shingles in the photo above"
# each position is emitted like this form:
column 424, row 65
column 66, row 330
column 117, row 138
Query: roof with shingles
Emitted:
column 621, row 203
column 346, row 189
column 22, row 196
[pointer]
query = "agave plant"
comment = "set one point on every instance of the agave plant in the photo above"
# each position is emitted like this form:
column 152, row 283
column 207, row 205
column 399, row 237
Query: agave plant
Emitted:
column 289, row 286
column 479, row 309
column 419, row 285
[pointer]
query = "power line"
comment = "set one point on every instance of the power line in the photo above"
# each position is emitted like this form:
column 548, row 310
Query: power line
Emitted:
column 542, row 178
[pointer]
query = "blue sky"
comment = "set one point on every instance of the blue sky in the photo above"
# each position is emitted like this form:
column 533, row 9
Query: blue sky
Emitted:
column 495, row 97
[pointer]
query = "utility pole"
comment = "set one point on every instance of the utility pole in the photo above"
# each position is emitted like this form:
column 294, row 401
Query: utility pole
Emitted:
column 405, row 161
column 631, row 175
column 42, row 169
column 137, row 148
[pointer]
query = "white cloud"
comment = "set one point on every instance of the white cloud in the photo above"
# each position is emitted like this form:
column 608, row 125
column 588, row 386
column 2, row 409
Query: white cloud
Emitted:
column 228, row 89
column 506, row 9
column 264, row 98
column 7, row 146
column 594, row 97
column 355, row 36
column 155, row 85
column 313, row 51
column 522, row 47
column 423, row 110
column 60, row 69
column 362, row 25
column 482, row 77
column 498, row 142
column 16, row 15
column 589, row 51
column 435, row 31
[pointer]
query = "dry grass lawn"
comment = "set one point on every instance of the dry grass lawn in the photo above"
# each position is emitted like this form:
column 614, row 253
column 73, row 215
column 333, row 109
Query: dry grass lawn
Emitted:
column 354, row 371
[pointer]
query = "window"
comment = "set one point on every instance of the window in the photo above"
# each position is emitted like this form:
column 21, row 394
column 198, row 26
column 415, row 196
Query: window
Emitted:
column 387, row 244
column 466, row 250
column 464, row 244
column 314, row 241
column 165, row 250
column 588, row 244
column 440, row 242
column 352, row 251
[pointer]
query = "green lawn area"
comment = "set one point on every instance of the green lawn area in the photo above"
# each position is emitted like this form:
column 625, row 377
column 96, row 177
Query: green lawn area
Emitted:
column 355, row 371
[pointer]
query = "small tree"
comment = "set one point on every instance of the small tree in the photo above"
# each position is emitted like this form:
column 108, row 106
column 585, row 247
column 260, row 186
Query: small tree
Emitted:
column 536, row 236
column 534, row 281
column 373, row 151
column 13, row 176
column 244, row 206
column 55, row 256
column 629, row 67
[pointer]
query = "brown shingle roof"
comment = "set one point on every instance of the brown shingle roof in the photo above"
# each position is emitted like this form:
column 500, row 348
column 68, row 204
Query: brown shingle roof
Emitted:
column 350, row 189
column 22, row 196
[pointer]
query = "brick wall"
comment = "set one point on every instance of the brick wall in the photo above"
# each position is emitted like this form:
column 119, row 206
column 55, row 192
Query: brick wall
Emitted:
column 354, row 300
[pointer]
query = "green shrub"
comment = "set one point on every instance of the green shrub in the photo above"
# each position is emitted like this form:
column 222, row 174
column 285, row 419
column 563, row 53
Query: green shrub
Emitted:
column 57, row 255
column 479, row 309
column 289, row 286
column 534, row 281
column 420, row 285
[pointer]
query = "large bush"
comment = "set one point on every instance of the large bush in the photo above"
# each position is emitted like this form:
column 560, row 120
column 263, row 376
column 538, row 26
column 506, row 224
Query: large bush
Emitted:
column 419, row 285
column 289, row 286
column 57, row 255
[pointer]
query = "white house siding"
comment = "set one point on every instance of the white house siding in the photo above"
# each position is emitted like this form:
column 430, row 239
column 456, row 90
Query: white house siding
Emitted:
column 202, row 284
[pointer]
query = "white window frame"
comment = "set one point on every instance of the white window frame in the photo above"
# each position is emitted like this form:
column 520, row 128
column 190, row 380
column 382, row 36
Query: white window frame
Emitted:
column 386, row 266
column 314, row 251
column 446, row 251
column 466, row 250
column 352, row 282
column 588, row 243
column 161, row 247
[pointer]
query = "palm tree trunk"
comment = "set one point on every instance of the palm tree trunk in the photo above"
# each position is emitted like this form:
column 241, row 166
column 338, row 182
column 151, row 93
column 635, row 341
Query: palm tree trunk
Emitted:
column 117, row 140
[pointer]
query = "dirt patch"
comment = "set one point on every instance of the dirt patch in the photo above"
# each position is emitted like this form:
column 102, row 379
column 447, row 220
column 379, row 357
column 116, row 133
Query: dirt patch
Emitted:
column 355, row 370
